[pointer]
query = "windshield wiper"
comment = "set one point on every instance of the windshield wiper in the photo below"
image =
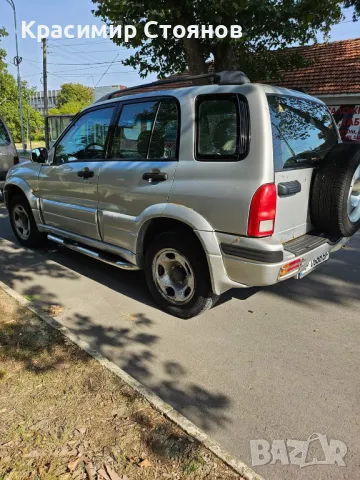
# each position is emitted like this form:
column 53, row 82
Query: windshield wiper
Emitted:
column 304, row 157
column 314, row 158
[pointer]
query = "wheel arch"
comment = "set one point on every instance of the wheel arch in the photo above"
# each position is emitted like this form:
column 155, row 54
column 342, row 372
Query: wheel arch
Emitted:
column 176, row 218
column 18, row 186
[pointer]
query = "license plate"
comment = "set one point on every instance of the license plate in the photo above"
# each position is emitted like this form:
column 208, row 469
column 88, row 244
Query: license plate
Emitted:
column 313, row 264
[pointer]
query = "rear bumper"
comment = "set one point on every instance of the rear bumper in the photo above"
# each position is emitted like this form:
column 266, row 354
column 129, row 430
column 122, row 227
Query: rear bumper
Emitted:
column 257, row 273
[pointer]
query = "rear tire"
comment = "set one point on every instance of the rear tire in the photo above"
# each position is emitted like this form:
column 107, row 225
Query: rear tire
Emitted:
column 336, row 192
column 178, row 276
column 23, row 223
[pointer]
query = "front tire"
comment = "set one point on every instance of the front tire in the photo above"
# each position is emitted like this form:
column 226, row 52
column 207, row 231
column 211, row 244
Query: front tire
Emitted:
column 178, row 276
column 23, row 223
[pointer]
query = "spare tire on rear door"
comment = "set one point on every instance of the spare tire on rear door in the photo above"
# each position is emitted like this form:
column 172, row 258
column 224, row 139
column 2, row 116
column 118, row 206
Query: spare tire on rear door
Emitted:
column 335, row 195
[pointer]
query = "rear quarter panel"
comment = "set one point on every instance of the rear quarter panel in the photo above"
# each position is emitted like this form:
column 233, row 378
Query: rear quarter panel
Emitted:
column 219, row 191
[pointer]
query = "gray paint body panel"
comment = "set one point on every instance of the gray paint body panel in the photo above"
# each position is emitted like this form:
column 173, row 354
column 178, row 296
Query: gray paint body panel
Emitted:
column 67, row 201
column 124, row 196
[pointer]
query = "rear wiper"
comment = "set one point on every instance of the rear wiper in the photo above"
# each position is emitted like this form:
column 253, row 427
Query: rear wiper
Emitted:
column 306, row 159
column 303, row 158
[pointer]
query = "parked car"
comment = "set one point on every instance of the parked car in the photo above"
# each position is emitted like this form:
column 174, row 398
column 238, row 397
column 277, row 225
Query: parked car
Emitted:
column 8, row 153
column 206, row 188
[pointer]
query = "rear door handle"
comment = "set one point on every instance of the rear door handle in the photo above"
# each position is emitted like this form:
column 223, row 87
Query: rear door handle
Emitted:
column 286, row 189
column 155, row 176
column 86, row 173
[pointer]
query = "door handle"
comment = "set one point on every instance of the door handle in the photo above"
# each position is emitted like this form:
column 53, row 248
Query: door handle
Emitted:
column 155, row 176
column 287, row 189
column 86, row 173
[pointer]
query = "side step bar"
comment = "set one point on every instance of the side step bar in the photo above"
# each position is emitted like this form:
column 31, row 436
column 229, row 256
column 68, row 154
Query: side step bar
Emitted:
column 102, row 257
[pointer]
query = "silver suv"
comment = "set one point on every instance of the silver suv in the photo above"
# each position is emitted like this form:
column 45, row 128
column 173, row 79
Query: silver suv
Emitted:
column 206, row 188
column 8, row 154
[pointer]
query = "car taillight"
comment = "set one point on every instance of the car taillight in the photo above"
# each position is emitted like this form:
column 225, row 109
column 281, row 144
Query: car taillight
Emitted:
column 263, row 211
column 16, row 160
column 290, row 267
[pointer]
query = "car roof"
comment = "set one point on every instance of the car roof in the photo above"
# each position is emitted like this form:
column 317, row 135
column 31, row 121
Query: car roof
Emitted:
column 194, row 91
column 271, row 89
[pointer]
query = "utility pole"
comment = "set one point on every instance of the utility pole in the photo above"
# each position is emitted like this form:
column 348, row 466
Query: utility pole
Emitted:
column 29, row 130
column 17, row 61
column 46, row 103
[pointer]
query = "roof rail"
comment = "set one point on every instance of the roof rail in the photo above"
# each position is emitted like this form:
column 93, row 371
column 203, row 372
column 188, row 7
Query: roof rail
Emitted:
column 299, row 89
column 223, row 78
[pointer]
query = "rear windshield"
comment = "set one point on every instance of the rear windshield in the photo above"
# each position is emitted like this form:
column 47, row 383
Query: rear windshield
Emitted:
column 303, row 131
column 4, row 136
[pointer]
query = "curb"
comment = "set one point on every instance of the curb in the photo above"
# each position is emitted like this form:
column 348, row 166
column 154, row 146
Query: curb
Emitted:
column 164, row 408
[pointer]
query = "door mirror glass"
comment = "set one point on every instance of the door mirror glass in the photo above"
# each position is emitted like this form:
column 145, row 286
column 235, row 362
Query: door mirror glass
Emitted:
column 39, row 155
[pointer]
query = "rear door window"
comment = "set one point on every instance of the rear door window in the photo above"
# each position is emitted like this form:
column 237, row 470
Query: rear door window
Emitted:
column 147, row 130
column 164, row 139
column 4, row 136
column 303, row 131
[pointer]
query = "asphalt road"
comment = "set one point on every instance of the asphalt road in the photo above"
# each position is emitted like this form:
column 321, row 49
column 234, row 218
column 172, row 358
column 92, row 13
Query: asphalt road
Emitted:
column 275, row 363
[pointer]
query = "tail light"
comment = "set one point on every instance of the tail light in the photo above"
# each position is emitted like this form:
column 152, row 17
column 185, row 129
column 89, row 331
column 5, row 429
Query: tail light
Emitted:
column 263, row 211
column 290, row 267
column 16, row 160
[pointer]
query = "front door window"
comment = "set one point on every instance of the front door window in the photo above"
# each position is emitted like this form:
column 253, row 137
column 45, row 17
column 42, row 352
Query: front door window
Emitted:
column 86, row 139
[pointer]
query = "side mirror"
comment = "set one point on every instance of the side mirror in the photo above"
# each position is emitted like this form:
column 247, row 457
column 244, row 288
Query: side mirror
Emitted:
column 39, row 155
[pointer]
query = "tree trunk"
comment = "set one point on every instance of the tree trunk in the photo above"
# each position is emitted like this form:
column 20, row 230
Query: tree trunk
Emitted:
column 195, row 56
column 224, row 58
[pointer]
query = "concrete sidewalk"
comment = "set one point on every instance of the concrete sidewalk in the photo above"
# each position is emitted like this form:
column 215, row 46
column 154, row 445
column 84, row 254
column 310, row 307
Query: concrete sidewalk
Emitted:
column 276, row 363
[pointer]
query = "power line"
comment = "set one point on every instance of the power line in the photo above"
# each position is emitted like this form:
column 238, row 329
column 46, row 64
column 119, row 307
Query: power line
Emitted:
column 107, row 70
column 79, row 69
column 74, row 64
column 33, row 75
column 80, row 44
column 85, row 58
column 88, row 73
column 85, row 64
column 95, row 51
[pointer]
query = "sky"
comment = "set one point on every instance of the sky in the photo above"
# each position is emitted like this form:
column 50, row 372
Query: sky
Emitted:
column 86, row 51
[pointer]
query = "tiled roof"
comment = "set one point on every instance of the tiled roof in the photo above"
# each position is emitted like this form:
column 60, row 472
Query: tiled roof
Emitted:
column 334, row 68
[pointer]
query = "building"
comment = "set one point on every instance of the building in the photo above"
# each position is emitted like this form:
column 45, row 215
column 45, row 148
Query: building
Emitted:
column 37, row 101
column 101, row 91
column 333, row 75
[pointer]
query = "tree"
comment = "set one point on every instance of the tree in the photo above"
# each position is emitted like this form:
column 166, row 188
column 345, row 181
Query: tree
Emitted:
column 267, row 25
column 9, row 102
column 75, row 93
column 356, row 5
column 3, row 33
column 70, row 108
